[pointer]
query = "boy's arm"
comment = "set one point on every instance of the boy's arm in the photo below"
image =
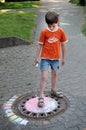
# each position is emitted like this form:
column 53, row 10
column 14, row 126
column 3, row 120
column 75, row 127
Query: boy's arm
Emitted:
column 38, row 52
column 63, row 49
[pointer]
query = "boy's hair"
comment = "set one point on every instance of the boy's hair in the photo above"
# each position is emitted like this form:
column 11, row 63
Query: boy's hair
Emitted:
column 51, row 17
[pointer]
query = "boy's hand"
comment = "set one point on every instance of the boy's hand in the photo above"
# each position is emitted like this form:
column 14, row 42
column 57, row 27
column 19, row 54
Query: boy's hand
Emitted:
column 63, row 62
column 36, row 61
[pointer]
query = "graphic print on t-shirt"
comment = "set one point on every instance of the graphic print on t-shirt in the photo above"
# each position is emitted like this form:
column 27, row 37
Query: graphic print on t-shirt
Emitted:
column 52, row 39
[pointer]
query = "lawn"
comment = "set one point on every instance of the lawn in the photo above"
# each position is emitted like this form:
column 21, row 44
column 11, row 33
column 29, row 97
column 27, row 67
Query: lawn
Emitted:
column 20, row 24
column 84, row 24
column 84, row 28
column 20, row 5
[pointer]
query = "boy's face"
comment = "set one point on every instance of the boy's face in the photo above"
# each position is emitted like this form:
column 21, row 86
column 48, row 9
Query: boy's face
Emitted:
column 52, row 26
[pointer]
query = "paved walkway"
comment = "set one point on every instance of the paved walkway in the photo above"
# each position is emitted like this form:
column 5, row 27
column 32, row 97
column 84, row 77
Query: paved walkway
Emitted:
column 18, row 74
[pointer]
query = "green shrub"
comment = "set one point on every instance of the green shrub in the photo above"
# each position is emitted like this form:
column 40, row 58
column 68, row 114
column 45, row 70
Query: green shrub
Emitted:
column 84, row 28
column 78, row 2
column 74, row 1
column 19, row 5
column 19, row 0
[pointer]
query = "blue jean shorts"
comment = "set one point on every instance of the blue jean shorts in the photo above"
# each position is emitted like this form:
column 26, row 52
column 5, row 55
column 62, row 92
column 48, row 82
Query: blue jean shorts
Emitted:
column 45, row 63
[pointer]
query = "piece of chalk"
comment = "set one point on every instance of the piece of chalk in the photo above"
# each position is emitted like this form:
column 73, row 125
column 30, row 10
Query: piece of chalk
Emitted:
column 37, row 65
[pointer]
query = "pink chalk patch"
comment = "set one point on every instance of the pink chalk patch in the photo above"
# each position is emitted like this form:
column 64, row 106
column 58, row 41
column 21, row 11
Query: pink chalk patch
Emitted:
column 50, row 104
column 7, row 107
column 15, row 97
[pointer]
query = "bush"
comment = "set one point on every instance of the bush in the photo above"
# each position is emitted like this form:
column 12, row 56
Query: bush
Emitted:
column 74, row 1
column 78, row 2
column 19, row 0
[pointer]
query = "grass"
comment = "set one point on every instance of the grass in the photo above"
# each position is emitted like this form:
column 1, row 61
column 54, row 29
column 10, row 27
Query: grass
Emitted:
column 20, row 5
column 74, row 2
column 84, row 28
column 20, row 24
column 84, row 25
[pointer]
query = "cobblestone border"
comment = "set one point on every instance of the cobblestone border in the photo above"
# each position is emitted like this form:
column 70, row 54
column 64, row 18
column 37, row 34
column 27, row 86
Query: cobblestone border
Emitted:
column 12, row 41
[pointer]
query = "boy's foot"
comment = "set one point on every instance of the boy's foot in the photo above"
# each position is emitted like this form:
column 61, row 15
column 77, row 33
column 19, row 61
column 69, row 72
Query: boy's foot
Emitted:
column 40, row 102
column 58, row 94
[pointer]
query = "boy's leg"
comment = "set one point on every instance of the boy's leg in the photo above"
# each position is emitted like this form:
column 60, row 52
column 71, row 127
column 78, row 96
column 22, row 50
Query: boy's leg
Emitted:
column 42, row 83
column 44, row 71
column 41, row 88
column 54, row 76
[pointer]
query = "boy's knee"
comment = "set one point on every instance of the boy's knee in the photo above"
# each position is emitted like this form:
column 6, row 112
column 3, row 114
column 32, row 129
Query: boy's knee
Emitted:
column 54, row 74
column 44, row 78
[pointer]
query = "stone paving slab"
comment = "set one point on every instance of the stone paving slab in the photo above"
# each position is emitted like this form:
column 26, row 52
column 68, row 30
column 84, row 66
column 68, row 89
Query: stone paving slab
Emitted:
column 18, row 74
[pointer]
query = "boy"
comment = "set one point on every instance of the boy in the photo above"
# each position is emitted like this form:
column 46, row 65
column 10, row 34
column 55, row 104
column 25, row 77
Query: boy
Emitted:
column 51, row 40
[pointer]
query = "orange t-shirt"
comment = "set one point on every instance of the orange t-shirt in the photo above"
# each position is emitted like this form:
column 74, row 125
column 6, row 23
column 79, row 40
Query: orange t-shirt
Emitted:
column 51, row 43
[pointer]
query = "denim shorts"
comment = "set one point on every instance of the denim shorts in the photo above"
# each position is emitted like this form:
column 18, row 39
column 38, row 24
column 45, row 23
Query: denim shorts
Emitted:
column 45, row 63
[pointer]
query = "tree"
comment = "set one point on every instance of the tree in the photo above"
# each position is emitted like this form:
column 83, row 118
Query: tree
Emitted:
column 82, row 2
column 2, row 1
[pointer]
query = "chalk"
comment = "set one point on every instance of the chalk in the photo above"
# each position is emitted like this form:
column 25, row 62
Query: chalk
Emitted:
column 6, row 107
column 14, row 97
column 13, row 117
column 18, row 120
column 10, row 114
column 24, row 122
column 8, row 111
column 36, row 65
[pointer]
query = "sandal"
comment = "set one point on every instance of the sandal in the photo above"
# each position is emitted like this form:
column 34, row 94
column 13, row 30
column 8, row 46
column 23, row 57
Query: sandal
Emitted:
column 40, row 102
column 57, row 94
